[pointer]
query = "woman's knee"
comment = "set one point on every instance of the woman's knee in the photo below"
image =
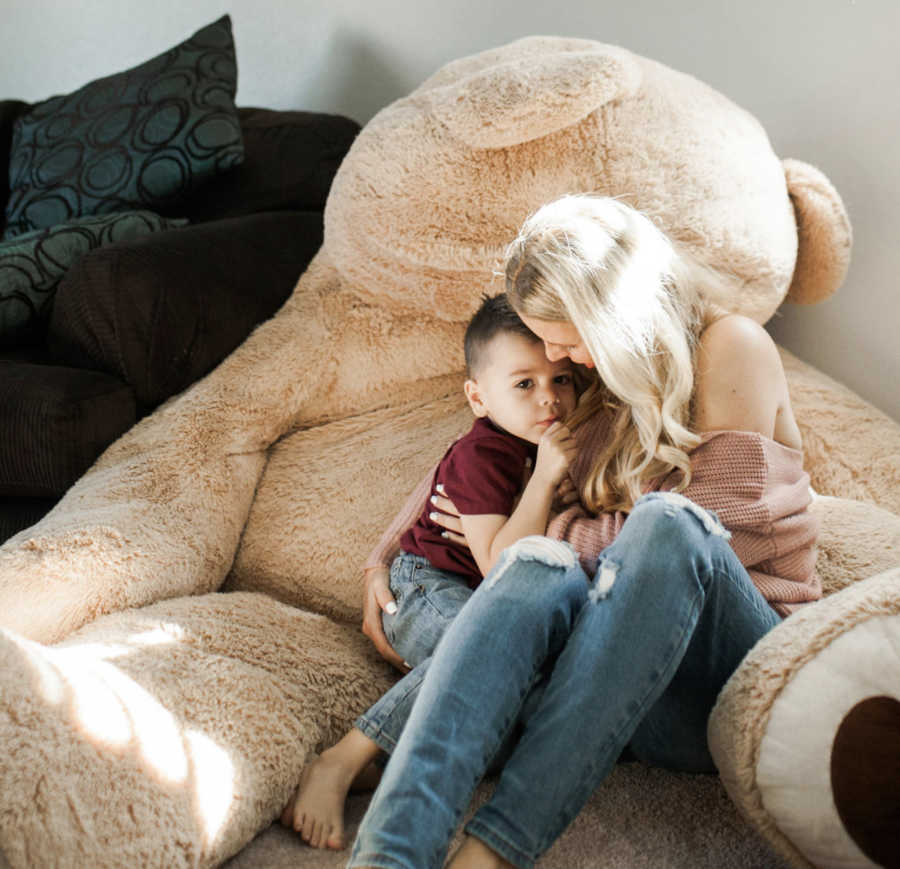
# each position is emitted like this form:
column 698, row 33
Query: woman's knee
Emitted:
column 671, row 505
column 535, row 570
column 665, row 537
column 672, row 520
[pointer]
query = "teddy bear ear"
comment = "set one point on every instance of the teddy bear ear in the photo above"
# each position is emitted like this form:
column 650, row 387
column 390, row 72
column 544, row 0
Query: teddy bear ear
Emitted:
column 824, row 234
column 532, row 88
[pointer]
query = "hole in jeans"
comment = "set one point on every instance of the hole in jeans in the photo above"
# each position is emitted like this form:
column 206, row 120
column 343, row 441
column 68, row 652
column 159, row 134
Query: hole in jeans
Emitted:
column 603, row 584
column 710, row 522
column 553, row 553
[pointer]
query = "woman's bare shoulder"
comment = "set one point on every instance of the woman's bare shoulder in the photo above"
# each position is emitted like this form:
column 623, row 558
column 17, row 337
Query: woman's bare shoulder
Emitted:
column 740, row 382
column 736, row 334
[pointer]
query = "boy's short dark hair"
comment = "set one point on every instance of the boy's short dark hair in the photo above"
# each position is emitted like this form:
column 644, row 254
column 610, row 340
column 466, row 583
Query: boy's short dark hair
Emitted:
column 494, row 317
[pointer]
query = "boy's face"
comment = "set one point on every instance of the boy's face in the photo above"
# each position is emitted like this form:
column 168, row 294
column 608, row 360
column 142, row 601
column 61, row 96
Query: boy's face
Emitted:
column 519, row 388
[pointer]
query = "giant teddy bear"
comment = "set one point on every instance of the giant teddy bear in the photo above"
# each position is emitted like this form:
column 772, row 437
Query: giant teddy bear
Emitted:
column 182, row 629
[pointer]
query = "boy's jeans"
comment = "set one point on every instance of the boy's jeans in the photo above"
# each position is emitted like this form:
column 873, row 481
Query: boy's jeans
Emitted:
column 638, row 657
column 428, row 599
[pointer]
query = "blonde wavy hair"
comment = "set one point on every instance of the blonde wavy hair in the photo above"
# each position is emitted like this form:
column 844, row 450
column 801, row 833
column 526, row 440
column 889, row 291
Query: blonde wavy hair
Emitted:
column 637, row 304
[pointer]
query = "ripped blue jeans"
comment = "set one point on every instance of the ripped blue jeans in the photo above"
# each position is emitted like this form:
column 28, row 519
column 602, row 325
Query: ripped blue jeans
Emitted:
column 634, row 658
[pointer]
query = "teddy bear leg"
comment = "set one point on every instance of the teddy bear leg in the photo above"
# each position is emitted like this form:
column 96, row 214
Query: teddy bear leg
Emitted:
column 171, row 734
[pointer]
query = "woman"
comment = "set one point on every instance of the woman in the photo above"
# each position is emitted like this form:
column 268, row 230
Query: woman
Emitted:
column 627, row 644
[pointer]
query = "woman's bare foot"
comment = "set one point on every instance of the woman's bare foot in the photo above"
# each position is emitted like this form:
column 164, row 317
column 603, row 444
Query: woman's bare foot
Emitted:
column 474, row 854
column 316, row 809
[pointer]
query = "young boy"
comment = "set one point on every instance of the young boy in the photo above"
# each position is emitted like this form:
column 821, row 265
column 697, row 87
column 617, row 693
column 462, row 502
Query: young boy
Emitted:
column 519, row 399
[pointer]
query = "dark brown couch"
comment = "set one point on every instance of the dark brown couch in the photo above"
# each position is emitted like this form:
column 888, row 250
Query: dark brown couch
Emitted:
column 135, row 322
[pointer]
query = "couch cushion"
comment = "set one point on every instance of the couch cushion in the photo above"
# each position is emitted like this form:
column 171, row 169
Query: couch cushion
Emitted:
column 162, row 311
column 55, row 422
column 16, row 514
column 32, row 265
column 290, row 159
column 140, row 138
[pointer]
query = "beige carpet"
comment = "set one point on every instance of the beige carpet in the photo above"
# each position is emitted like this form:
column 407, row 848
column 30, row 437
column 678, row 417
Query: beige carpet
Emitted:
column 641, row 818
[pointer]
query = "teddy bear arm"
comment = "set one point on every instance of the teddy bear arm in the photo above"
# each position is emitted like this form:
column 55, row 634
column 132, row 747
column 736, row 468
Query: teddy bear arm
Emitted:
column 162, row 512
column 850, row 447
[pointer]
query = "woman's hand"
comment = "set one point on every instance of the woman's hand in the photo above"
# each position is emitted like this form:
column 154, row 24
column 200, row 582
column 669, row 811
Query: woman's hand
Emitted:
column 446, row 515
column 377, row 600
column 566, row 495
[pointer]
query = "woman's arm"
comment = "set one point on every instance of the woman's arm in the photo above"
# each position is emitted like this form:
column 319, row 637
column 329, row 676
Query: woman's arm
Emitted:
column 377, row 597
column 389, row 544
column 589, row 535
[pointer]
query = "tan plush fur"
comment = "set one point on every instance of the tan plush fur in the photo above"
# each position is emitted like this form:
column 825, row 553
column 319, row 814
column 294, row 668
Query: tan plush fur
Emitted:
column 276, row 472
column 856, row 540
column 357, row 470
column 851, row 449
column 490, row 137
column 162, row 511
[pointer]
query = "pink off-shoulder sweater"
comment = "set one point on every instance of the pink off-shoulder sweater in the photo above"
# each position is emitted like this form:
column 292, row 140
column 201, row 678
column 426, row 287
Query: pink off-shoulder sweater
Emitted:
column 756, row 486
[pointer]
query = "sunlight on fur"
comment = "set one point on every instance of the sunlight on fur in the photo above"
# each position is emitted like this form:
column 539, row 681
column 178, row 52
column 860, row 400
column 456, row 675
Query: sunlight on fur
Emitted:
column 108, row 705
column 50, row 683
column 111, row 709
column 164, row 633
column 213, row 774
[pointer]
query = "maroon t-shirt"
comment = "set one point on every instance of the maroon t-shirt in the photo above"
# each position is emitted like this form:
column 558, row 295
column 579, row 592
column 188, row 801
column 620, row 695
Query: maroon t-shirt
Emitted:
column 482, row 473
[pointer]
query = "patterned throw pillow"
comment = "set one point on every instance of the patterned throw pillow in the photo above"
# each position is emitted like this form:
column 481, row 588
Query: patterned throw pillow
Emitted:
column 142, row 138
column 33, row 264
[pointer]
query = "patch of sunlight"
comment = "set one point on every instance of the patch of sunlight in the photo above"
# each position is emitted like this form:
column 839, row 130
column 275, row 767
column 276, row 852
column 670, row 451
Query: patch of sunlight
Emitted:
column 155, row 728
column 111, row 708
column 165, row 633
column 213, row 781
column 50, row 683
column 97, row 707
column 85, row 654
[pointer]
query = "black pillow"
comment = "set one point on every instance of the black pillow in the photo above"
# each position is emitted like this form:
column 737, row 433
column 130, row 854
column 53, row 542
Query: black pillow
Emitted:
column 32, row 265
column 141, row 138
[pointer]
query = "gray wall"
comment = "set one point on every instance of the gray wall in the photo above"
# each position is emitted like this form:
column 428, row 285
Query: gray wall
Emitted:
column 821, row 76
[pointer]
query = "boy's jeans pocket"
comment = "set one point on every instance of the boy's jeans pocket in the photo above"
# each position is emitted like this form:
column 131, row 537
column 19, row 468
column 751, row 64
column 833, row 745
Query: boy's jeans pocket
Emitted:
column 428, row 599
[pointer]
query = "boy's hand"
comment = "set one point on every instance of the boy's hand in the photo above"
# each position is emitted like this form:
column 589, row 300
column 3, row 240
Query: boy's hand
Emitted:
column 556, row 450
column 378, row 599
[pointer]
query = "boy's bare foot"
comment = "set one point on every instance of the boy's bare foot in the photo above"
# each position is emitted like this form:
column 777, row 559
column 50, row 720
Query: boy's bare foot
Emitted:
column 474, row 854
column 368, row 779
column 316, row 809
